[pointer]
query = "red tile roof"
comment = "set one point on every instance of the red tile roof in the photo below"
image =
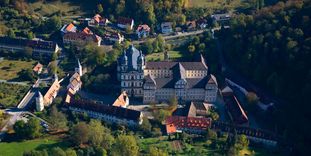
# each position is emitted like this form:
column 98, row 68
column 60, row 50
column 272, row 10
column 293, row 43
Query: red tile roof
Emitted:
column 69, row 27
column 144, row 27
column 121, row 101
column 87, row 31
column 182, row 122
column 125, row 21
column 37, row 67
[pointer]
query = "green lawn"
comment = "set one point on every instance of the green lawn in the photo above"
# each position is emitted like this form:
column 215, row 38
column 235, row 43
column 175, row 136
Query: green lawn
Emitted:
column 214, row 4
column 173, row 55
column 11, row 94
column 17, row 148
column 68, row 9
column 9, row 69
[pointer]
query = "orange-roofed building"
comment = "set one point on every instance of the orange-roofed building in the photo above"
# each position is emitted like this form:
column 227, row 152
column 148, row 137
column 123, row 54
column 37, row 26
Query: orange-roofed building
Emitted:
column 51, row 93
column 122, row 100
column 98, row 20
column 68, row 28
column 187, row 124
column 38, row 68
column 87, row 31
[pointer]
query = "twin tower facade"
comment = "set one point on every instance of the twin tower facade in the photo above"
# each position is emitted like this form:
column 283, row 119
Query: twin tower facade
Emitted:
column 162, row 80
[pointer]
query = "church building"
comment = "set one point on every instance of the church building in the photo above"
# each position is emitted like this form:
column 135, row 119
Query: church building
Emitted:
column 162, row 80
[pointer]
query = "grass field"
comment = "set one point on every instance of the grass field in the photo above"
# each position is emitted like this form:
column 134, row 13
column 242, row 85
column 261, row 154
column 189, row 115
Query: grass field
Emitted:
column 18, row 148
column 68, row 9
column 9, row 69
column 11, row 94
column 173, row 55
column 214, row 4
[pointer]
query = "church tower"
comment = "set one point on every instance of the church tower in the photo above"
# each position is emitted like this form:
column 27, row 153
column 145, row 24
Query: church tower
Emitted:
column 39, row 102
column 79, row 69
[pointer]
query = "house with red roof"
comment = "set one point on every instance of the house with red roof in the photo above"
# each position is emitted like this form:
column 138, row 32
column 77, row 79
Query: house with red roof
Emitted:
column 122, row 100
column 123, row 23
column 82, row 37
column 143, row 31
column 51, row 93
column 38, row 68
column 68, row 28
column 192, row 125
column 98, row 20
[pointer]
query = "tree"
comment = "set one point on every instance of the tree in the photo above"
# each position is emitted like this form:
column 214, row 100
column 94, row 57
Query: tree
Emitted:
column 26, row 75
column 252, row 98
column 201, row 47
column 211, row 134
column 53, row 24
column 11, row 33
column 34, row 128
column 70, row 152
column 30, row 35
column 173, row 102
column 191, row 48
column 57, row 118
column 161, row 115
column 160, row 42
column 36, row 153
column 54, row 57
column 96, row 133
column 241, row 142
column 196, row 40
column 147, row 47
column 108, row 140
column 100, row 8
column 56, row 151
column 80, row 133
column 125, row 145
column 28, row 52
column 153, row 151
column 146, row 126
column 20, row 128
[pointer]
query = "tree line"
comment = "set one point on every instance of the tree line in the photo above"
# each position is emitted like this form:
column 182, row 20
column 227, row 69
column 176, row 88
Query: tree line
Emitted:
column 272, row 48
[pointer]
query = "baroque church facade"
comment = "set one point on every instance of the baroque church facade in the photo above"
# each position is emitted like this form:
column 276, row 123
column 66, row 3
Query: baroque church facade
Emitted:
column 160, row 81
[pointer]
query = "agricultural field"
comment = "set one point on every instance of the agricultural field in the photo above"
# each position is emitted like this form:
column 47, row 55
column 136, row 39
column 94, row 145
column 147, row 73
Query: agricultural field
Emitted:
column 9, row 69
column 11, row 94
column 18, row 148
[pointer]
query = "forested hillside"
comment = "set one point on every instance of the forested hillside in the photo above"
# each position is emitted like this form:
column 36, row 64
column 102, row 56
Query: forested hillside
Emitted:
column 272, row 48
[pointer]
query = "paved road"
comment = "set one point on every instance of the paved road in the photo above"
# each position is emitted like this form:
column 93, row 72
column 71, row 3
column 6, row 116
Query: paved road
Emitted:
column 13, row 82
column 170, row 37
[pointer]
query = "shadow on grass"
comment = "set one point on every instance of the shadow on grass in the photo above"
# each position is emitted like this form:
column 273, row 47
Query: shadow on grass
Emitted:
column 63, row 145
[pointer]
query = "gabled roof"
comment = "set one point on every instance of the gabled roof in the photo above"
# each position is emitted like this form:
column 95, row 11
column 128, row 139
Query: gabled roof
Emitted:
column 82, row 36
column 52, row 90
column 235, row 109
column 122, row 100
column 181, row 122
column 125, row 21
column 71, row 28
column 118, row 112
column 35, row 44
column 143, row 27
column 37, row 67
column 87, row 31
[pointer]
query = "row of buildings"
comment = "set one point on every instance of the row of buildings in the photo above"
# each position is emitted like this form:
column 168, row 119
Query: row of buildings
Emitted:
column 160, row 81
column 39, row 48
